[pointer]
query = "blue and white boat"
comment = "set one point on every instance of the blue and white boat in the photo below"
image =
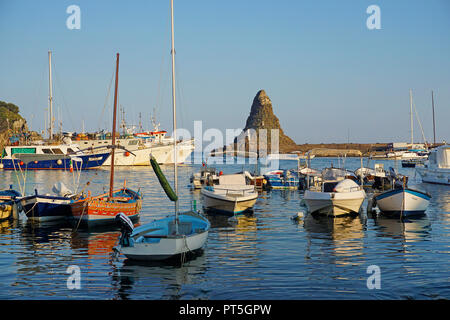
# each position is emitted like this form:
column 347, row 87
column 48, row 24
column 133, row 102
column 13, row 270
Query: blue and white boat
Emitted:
column 403, row 202
column 53, row 157
column 46, row 207
column 163, row 238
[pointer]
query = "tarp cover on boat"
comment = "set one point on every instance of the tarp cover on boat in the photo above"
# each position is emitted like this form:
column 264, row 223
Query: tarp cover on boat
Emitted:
column 228, row 179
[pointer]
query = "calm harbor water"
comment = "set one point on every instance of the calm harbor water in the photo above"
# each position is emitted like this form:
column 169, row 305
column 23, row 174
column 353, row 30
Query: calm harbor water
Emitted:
column 264, row 255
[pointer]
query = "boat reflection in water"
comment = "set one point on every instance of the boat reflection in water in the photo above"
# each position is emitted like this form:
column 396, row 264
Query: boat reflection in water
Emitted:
column 159, row 279
column 345, row 234
column 408, row 230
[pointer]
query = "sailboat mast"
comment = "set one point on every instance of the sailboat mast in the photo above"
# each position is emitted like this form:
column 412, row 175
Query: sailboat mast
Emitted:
column 411, row 114
column 50, row 95
column 111, row 179
column 174, row 103
column 434, row 124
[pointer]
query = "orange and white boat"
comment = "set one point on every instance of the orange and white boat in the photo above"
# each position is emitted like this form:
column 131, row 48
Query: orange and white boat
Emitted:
column 102, row 209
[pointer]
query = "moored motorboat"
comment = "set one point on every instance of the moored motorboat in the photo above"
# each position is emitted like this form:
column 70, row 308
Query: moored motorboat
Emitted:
column 231, row 196
column 334, row 195
column 164, row 238
column 401, row 200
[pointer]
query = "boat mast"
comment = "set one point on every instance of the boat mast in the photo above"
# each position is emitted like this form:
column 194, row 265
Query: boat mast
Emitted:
column 411, row 114
column 50, row 95
column 434, row 124
column 111, row 179
column 174, row 104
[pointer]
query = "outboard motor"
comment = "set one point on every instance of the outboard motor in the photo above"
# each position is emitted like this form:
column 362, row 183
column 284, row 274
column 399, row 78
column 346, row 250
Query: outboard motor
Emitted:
column 126, row 228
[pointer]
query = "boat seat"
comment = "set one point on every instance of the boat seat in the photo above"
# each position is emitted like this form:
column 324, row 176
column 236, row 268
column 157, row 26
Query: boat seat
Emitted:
column 183, row 228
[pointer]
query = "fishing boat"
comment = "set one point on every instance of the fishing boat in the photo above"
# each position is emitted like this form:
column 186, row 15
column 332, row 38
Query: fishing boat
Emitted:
column 231, row 196
column 334, row 194
column 437, row 168
column 102, row 209
column 50, row 157
column 401, row 200
column 172, row 236
column 9, row 204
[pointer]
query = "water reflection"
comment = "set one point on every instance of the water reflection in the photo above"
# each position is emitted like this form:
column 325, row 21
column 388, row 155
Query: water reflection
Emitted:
column 341, row 239
column 159, row 280
column 408, row 230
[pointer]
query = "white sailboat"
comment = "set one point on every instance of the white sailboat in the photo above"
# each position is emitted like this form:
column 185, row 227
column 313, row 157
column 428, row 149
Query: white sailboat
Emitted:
column 171, row 236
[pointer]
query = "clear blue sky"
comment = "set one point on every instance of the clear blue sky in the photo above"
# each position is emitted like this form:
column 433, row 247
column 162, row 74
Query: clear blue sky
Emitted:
column 327, row 74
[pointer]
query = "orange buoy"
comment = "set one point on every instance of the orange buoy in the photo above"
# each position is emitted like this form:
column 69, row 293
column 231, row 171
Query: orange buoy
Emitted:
column 21, row 163
column 127, row 154
column 220, row 173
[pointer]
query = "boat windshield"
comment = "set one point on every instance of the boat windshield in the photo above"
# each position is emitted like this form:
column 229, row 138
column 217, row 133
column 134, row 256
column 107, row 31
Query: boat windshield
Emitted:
column 333, row 173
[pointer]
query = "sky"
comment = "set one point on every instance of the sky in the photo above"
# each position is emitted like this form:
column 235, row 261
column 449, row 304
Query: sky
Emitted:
column 329, row 77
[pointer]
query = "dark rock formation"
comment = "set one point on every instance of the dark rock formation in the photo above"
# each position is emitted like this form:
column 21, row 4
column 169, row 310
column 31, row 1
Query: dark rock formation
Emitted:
column 262, row 117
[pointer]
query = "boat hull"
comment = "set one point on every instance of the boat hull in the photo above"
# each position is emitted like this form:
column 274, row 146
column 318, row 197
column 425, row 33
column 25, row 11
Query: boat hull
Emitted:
column 43, row 208
column 154, row 241
column 55, row 163
column 334, row 203
column 97, row 211
column 437, row 176
column 8, row 210
column 227, row 204
column 163, row 155
column 405, row 202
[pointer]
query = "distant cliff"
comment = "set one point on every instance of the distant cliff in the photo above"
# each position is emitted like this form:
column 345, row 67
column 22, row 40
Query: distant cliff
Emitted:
column 262, row 117
column 11, row 119
column 11, row 122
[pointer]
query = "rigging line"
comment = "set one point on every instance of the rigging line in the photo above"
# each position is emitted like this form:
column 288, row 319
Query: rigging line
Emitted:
column 106, row 101
column 420, row 124
column 64, row 103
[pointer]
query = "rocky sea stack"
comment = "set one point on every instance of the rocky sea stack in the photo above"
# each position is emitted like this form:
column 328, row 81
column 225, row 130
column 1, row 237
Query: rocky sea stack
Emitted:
column 262, row 117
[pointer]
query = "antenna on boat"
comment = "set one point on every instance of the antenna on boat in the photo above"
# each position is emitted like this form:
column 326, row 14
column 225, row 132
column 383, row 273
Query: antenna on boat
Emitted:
column 111, row 180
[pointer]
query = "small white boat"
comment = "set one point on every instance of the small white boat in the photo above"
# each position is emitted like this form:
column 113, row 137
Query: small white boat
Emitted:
column 437, row 168
column 164, row 238
column 231, row 196
column 335, row 195
column 403, row 202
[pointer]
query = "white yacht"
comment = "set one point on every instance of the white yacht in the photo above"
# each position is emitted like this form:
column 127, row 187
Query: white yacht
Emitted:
column 138, row 149
column 437, row 168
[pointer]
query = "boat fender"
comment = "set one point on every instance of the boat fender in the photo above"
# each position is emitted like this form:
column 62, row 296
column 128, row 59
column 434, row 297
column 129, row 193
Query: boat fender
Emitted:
column 162, row 180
